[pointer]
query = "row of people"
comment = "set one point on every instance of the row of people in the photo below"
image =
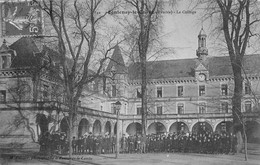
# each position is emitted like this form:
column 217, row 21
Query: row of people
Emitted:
column 197, row 143
column 205, row 142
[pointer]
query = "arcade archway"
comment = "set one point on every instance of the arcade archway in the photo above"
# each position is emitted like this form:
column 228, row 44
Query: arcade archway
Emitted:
column 64, row 126
column 179, row 128
column 97, row 127
column 202, row 127
column 108, row 128
column 156, row 128
column 134, row 129
column 83, row 127
column 225, row 126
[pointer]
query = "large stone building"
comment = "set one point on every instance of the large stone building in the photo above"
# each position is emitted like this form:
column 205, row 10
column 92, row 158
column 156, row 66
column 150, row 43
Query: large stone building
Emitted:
column 189, row 94
column 184, row 95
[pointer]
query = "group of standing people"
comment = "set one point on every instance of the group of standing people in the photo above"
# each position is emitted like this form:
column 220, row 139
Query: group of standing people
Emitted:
column 206, row 142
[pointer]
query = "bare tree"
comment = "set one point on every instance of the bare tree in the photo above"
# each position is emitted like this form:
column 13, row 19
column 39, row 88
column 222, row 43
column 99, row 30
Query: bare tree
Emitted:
column 145, row 34
column 237, row 23
column 77, row 26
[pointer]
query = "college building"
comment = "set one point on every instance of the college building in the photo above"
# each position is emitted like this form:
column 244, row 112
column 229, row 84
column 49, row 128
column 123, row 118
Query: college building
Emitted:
column 184, row 95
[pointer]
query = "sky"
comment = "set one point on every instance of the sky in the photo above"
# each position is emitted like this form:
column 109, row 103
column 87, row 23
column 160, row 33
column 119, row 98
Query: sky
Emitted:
column 181, row 26
column 180, row 31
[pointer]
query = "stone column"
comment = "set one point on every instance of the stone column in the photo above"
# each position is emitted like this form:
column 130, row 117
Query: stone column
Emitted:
column 112, row 129
column 75, row 131
column 90, row 128
column 103, row 129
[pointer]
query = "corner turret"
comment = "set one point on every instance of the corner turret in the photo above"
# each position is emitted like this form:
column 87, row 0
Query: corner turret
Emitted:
column 202, row 51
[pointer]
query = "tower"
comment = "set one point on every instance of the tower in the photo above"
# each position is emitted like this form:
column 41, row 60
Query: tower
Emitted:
column 5, row 56
column 117, row 84
column 202, row 50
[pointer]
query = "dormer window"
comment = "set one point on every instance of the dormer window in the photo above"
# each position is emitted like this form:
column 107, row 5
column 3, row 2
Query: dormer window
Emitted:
column 113, row 72
column 5, row 61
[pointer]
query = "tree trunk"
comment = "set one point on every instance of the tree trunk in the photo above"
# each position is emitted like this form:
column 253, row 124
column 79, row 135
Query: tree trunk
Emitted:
column 245, row 141
column 237, row 98
column 144, row 95
column 70, row 135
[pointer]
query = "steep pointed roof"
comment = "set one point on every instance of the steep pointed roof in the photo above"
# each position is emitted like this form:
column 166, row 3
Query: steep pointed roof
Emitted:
column 27, row 53
column 202, row 32
column 117, row 63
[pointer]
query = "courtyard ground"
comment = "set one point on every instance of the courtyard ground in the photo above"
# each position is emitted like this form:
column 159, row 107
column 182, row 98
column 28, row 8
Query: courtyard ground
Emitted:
column 143, row 159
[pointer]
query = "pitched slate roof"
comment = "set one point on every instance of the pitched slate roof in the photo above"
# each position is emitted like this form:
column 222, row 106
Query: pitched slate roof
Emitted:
column 28, row 54
column 185, row 68
column 117, row 62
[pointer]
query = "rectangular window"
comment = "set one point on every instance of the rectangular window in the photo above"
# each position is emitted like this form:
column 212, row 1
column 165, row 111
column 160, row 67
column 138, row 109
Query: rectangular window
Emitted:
column 2, row 96
column 224, row 107
column 224, row 89
column 180, row 91
column 113, row 90
column 180, row 108
column 45, row 92
column 248, row 106
column 159, row 110
column 4, row 62
column 138, row 93
column 247, row 88
column 159, row 91
column 138, row 110
column 202, row 107
column 202, row 90
column 113, row 109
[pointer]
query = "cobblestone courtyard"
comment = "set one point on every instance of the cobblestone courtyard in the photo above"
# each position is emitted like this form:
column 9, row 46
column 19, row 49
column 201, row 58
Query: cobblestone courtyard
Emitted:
column 145, row 159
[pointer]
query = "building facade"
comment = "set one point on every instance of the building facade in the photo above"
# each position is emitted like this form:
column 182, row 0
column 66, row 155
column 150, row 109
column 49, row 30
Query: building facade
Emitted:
column 184, row 95
column 187, row 95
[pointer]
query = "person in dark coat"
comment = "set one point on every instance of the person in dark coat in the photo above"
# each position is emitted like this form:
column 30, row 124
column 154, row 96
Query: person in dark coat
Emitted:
column 74, row 145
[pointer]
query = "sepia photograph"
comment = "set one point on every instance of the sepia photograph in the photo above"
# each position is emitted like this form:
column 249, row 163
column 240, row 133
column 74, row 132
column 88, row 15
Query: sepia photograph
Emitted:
column 130, row 82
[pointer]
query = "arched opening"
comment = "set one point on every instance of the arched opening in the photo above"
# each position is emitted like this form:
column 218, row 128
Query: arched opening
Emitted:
column 253, row 132
column 108, row 128
column 42, row 124
column 224, row 126
column 64, row 125
column 134, row 129
column 179, row 128
column 83, row 127
column 156, row 128
column 201, row 128
column 97, row 127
